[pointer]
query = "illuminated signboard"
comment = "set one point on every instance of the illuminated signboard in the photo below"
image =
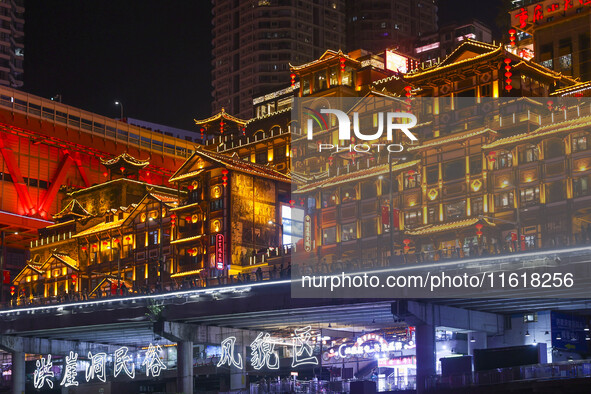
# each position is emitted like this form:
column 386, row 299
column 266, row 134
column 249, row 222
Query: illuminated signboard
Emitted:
column 396, row 362
column 219, row 251
column 96, row 368
column 366, row 346
column 525, row 18
column 427, row 47
column 292, row 220
column 307, row 233
column 396, row 62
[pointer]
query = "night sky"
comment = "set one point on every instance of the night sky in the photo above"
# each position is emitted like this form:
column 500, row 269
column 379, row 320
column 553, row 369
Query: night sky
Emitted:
column 152, row 55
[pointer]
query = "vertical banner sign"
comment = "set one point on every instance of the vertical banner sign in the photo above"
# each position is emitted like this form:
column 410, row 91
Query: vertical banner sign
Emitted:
column 307, row 233
column 219, row 251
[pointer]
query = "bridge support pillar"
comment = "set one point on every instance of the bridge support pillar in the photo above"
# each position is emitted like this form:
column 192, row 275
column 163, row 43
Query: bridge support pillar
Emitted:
column 476, row 340
column 18, row 372
column 425, row 338
column 184, row 380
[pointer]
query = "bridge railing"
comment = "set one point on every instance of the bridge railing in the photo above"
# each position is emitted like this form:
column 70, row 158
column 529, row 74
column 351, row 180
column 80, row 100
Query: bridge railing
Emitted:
column 562, row 370
column 88, row 122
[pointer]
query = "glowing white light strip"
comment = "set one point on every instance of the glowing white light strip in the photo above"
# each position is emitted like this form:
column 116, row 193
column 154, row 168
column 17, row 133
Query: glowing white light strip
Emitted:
column 25, row 217
column 174, row 294
column 246, row 287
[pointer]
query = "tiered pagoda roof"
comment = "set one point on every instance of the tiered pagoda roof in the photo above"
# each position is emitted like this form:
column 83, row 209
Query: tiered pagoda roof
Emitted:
column 72, row 210
column 233, row 163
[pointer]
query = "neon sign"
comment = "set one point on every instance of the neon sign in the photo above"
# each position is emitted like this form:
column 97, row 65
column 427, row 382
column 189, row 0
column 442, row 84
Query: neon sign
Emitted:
column 302, row 351
column 70, row 372
column 396, row 362
column 264, row 355
column 263, row 350
column 97, row 367
column 219, row 251
column 43, row 372
column 367, row 345
column 228, row 354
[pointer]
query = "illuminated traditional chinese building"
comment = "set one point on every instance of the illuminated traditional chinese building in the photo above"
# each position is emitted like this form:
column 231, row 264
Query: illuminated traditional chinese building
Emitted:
column 483, row 175
column 107, row 234
column 232, row 214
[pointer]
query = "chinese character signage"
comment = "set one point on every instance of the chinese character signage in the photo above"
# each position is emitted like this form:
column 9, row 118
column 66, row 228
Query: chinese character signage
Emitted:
column 546, row 11
column 219, row 251
column 568, row 332
column 96, row 368
column 307, row 233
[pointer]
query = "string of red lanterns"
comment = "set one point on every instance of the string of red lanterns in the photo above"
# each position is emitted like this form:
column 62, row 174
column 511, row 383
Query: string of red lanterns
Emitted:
column 512, row 33
column 342, row 61
column 225, row 177
column 479, row 229
column 293, row 77
column 508, row 75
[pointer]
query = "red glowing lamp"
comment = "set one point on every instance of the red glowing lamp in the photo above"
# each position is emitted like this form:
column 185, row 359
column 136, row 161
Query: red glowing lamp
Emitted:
column 479, row 233
column 12, row 290
column 479, row 226
column 406, row 241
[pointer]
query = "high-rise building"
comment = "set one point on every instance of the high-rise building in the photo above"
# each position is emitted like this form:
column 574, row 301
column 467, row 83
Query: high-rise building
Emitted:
column 254, row 42
column 439, row 44
column 12, row 42
column 377, row 25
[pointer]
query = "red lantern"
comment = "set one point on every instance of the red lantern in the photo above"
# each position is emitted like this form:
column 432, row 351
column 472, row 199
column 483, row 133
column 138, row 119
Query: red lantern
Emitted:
column 122, row 168
column 188, row 218
column 507, row 67
column 406, row 241
column 128, row 238
column 507, row 61
column 406, row 248
column 549, row 104
column 508, row 74
column 202, row 130
column 190, row 251
column 173, row 216
column 190, row 187
column 12, row 290
column 105, row 243
column 508, row 88
column 343, row 60
column 479, row 226
column 410, row 175
column 293, row 77
column 84, row 248
column 512, row 31
column 74, row 279
column 479, row 233
column 292, row 202
column 105, row 174
column 94, row 246
column 222, row 127
column 116, row 240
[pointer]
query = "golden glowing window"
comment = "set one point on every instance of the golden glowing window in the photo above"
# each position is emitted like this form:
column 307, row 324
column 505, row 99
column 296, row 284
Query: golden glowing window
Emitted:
column 216, row 192
column 64, row 271
column 35, row 277
column 49, row 274
column 216, row 226
column 28, row 278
